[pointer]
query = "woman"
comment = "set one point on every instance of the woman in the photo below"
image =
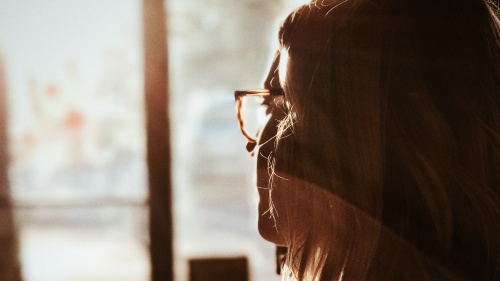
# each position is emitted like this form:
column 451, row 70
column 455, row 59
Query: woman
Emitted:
column 382, row 159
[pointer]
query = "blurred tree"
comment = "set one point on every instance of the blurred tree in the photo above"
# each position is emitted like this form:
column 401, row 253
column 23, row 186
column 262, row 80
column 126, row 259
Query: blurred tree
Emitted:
column 9, row 260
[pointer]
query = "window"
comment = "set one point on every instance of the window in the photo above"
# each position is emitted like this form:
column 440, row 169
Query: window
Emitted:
column 78, row 174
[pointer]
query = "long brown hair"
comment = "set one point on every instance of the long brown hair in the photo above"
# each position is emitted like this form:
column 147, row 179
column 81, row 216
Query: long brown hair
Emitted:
column 395, row 140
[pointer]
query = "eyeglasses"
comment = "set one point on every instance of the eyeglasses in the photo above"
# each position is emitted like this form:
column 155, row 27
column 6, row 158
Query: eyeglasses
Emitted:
column 252, row 107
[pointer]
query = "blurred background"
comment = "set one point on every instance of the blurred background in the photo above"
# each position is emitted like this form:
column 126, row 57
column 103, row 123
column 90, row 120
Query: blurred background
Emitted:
column 74, row 174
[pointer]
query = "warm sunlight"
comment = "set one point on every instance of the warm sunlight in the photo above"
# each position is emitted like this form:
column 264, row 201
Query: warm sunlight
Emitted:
column 74, row 82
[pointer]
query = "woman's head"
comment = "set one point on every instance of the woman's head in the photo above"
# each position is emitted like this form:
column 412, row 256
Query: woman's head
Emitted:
column 389, row 137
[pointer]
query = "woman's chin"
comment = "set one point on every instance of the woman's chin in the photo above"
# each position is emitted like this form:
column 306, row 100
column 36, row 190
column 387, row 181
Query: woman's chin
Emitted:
column 269, row 232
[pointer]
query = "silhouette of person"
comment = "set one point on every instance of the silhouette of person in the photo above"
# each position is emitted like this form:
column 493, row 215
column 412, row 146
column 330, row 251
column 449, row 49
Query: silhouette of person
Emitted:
column 381, row 156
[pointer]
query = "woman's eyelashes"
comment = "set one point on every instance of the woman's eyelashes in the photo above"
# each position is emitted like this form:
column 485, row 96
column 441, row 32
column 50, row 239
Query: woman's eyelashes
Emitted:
column 275, row 103
column 269, row 104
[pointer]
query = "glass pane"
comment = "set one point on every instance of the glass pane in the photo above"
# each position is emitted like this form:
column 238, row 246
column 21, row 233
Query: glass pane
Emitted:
column 216, row 47
column 78, row 174
column 254, row 114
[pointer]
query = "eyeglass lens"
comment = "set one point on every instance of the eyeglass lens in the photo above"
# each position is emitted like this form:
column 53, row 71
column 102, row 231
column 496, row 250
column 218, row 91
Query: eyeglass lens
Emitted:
column 254, row 114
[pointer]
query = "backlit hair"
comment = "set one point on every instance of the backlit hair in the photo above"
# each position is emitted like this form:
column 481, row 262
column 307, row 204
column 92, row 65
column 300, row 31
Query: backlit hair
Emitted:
column 391, row 150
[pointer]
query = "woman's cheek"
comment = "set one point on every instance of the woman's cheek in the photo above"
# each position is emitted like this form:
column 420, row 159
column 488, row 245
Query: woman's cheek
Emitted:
column 268, row 224
column 265, row 149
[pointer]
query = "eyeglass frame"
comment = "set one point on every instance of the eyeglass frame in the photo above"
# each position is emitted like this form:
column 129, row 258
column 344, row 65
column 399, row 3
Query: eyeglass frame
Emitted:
column 238, row 97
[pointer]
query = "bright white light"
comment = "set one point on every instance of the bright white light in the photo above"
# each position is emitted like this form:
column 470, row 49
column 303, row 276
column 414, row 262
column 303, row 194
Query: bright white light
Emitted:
column 283, row 66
